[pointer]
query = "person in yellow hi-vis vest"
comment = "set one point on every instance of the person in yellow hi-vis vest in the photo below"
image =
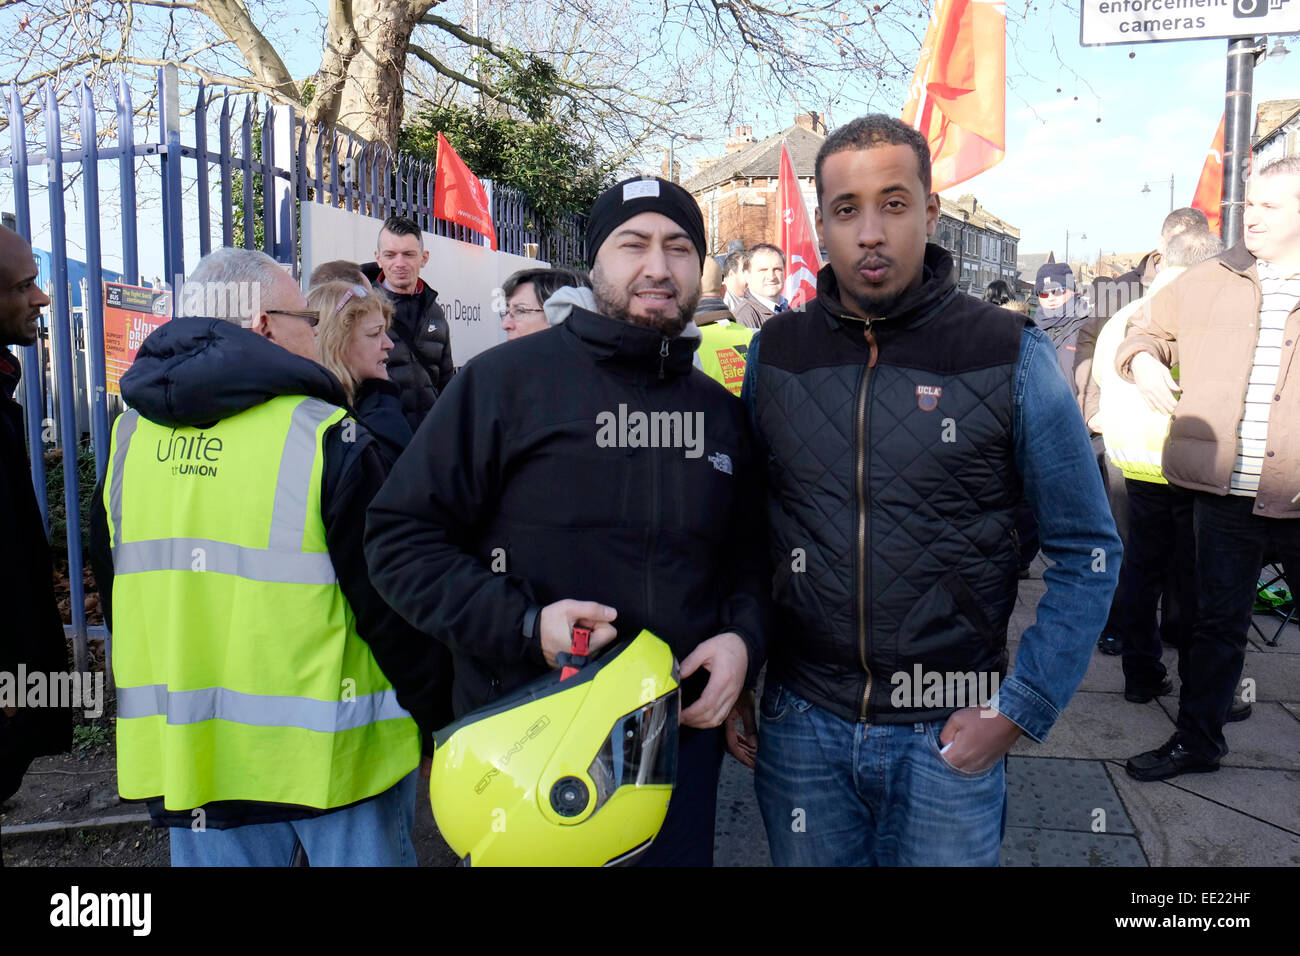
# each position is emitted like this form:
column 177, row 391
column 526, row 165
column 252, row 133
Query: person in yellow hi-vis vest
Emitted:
column 1159, row 559
column 723, row 340
column 265, row 692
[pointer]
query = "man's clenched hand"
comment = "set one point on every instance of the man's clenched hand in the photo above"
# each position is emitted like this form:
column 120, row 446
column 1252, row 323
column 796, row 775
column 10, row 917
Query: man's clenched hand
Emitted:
column 558, row 620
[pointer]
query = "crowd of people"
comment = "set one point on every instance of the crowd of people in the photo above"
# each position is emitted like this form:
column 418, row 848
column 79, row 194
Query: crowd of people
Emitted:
column 1186, row 403
column 318, row 547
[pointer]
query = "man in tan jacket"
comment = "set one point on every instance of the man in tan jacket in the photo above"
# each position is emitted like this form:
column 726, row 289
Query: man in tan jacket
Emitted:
column 1231, row 325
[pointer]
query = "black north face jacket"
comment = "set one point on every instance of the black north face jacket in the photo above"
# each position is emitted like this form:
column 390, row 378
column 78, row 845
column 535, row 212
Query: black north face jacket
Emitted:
column 526, row 485
column 892, row 491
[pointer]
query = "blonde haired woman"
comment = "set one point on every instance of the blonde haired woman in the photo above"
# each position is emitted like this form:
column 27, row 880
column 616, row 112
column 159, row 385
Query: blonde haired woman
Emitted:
column 352, row 339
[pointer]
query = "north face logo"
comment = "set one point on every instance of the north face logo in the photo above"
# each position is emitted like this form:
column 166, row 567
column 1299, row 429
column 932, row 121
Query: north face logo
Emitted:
column 927, row 397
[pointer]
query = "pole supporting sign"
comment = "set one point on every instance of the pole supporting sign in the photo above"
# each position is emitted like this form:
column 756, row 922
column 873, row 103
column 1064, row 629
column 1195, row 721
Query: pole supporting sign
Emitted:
column 1108, row 22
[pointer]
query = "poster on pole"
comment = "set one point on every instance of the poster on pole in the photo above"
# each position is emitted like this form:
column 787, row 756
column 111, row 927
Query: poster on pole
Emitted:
column 130, row 313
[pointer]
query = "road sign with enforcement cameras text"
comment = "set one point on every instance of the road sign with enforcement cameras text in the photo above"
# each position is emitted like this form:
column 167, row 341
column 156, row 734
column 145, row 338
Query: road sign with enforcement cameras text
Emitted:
column 1105, row 22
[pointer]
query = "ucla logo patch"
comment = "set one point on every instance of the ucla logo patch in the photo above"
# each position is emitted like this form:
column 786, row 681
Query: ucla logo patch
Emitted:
column 927, row 397
column 721, row 461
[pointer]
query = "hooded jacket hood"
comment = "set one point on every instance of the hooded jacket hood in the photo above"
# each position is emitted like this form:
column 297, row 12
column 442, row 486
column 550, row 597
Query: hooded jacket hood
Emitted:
column 194, row 371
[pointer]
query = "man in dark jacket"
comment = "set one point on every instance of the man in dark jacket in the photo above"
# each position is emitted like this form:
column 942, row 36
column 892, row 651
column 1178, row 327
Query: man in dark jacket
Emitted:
column 32, row 635
column 420, row 362
column 202, row 372
column 902, row 422
column 765, row 278
column 1062, row 314
column 526, row 506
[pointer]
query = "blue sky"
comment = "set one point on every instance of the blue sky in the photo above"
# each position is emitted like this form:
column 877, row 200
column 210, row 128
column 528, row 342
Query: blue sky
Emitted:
column 1063, row 170
column 1159, row 110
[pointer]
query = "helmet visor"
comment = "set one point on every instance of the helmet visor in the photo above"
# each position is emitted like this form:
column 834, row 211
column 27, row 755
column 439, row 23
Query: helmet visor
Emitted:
column 640, row 751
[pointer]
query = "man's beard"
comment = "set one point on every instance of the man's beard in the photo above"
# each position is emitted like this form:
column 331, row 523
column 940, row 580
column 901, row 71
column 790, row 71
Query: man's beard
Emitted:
column 668, row 324
column 879, row 306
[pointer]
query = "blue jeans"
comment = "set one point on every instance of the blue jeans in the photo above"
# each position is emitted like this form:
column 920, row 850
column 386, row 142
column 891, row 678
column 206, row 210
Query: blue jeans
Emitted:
column 835, row 793
column 374, row 833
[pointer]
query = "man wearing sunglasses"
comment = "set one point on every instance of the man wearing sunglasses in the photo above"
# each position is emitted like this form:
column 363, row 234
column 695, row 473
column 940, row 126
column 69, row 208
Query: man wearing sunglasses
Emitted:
column 265, row 691
column 1062, row 314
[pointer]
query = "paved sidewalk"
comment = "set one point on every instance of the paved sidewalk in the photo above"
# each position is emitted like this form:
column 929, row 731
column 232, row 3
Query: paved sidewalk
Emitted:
column 1070, row 803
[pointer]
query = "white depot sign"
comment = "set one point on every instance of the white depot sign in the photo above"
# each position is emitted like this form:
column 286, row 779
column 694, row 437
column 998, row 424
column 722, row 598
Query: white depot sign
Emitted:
column 1103, row 22
column 466, row 277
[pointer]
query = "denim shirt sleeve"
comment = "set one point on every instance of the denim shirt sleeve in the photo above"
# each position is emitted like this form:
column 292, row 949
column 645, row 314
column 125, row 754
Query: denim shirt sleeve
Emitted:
column 1062, row 484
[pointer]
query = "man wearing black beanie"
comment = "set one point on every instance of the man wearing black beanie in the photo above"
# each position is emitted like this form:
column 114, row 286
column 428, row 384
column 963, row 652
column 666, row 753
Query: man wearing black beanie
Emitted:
column 590, row 475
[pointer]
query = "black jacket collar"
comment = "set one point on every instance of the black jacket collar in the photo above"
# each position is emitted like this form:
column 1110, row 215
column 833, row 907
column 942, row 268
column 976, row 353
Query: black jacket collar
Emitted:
column 192, row 371
column 633, row 346
column 938, row 288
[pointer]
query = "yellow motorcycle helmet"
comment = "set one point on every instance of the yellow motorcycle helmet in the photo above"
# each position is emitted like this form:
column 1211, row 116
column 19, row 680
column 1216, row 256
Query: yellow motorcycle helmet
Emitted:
column 570, row 770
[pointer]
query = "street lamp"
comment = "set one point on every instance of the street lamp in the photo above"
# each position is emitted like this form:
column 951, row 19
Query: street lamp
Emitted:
column 1146, row 188
column 672, row 141
column 1067, row 244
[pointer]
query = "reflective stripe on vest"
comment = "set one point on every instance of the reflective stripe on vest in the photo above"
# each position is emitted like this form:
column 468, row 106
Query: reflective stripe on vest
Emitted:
column 257, row 710
column 283, row 561
column 240, row 672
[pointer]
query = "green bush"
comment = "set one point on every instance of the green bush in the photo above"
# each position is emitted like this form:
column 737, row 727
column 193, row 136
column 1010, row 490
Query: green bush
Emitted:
column 54, row 496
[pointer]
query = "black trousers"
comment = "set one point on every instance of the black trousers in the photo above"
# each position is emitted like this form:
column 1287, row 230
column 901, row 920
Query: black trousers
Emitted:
column 1159, row 566
column 1231, row 545
column 686, row 838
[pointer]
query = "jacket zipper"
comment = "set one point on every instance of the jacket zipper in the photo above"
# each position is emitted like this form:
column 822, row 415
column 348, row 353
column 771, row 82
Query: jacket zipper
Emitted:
column 663, row 355
column 862, row 512
column 652, row 525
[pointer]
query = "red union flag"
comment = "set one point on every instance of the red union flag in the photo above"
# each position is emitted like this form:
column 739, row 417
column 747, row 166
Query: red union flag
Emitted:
column 796, row 237
column 958, row 95
column 1209, row 188
column 458, row 196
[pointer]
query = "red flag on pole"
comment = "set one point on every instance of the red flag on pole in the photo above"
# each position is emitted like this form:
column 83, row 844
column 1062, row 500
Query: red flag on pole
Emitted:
column 797, row 238
column 458, row 196
column 1209, row 188
column 958, row 95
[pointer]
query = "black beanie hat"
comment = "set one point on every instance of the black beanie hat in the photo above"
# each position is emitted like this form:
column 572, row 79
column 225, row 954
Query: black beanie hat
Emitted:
column 1053, row 275
column 632, row 197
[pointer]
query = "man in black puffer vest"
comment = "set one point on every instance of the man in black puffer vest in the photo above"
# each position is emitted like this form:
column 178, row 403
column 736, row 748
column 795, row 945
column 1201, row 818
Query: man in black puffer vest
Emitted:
column 902, row 422
column 420, row 362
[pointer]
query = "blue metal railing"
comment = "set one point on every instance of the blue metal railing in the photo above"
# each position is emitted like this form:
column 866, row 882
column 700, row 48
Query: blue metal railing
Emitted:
column 345, row 172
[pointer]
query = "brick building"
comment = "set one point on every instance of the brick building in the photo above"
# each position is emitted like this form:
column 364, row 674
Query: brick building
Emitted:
column 737, row 191
column 983, row 246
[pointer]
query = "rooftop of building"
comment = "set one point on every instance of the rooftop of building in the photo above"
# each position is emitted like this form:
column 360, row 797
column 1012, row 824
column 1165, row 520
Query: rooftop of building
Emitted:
column 966, row 208
column 1274, row 114
column 761, row 159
